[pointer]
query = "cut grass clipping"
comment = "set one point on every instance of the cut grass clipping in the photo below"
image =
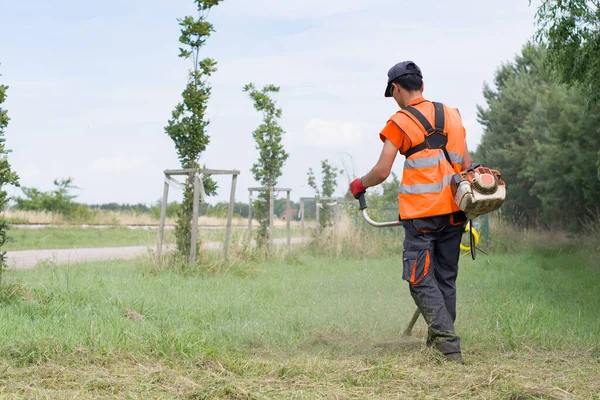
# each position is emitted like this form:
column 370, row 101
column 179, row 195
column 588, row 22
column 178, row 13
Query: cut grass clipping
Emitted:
column 312, row 328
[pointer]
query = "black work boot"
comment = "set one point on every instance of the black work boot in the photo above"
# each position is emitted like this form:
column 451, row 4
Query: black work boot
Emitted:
column 454, row 357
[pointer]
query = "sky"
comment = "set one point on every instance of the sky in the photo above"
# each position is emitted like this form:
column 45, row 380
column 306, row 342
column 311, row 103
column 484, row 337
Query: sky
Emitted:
column 92, row 84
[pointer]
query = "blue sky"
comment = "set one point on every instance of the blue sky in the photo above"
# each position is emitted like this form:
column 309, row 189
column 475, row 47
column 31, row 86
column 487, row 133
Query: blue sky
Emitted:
column 92, row 84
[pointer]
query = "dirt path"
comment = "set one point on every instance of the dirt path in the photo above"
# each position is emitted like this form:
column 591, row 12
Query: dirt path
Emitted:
column 31, row 258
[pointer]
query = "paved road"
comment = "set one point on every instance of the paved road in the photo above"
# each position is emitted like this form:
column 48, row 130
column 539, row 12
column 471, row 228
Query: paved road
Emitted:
column 31, row 258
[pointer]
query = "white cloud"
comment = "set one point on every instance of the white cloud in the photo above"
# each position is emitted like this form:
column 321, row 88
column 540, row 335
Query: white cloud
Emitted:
column 331, row 134
column 116, row 164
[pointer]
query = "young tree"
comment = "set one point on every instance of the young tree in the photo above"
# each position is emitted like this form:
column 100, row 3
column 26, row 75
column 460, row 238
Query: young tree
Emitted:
column 188, row 124
column 7, row 177
column 59, row 200
column 312, row 182
column 272, row 156
column 571, row 31
column 329, row 174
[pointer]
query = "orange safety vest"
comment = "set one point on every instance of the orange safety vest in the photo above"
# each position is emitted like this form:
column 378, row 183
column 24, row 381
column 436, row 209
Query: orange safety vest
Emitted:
column 435, row 155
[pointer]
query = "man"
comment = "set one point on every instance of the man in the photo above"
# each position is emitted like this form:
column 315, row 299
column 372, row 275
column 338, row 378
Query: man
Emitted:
column 432, row 138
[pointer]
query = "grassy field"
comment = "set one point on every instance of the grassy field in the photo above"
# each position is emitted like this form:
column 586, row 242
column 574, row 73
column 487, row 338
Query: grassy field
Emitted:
column 122, row 218
column 73, row 237
column 305, row 327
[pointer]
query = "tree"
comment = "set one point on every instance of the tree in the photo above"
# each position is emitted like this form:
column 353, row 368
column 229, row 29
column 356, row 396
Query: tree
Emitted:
column 598, row 165
column 7, row 177
column 538, row 134
column 508, row 141
column 272, row 155
column 567, row 139
column 571, row 32
column 188, row 124
column 60, row 200
column 329, row 175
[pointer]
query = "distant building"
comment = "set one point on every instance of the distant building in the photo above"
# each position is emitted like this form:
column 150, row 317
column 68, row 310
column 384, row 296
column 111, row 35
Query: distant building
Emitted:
column 288, row 214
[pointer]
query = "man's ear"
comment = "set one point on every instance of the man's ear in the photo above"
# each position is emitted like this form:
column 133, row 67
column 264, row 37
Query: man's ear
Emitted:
column 422, row 87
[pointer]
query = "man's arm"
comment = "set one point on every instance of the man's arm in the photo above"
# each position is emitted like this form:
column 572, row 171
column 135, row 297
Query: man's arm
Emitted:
column 466, row 163
column 382, row 169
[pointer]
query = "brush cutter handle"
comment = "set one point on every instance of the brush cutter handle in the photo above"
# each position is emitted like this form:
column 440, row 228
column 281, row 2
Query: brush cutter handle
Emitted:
column 362, row 203
column 363, row 207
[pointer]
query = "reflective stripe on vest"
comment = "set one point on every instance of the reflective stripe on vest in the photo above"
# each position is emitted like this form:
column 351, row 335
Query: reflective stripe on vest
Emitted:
column 426, row 187
column 456, row 158
column 432, row 161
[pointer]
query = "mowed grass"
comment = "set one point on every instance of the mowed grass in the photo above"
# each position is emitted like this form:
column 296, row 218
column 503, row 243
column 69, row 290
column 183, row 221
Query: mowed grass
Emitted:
column 307, row 327
column 77, row 237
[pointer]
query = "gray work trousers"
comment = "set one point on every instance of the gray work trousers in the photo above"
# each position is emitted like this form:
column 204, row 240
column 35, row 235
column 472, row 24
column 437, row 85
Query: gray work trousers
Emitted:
column 430, row 265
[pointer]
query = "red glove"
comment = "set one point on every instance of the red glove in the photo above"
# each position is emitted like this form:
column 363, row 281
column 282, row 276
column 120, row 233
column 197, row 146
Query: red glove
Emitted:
column 357, row 188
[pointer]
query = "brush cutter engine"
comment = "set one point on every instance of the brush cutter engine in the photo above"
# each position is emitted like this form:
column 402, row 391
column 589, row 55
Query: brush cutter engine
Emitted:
column 478, row 190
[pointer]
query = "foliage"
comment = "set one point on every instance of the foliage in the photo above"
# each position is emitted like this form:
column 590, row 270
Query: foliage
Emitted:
column 139, row 208
column 329, row 176
column 383, row 200
column 188, row 124
column 539, row 135
column 571, row 32
column 598, row 165
column 59, row 200
column 272, row 155
column 312, row 182
column 7, row 177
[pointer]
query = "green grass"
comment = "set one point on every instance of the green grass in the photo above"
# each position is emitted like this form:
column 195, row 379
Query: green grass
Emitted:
column 307, row 328
column 74, row 237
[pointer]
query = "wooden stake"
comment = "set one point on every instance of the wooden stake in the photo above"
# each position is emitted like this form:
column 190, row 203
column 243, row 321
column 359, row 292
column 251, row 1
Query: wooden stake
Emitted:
column 318, row 212
column 194, row 240
column 271, row 217
column 249, row 218
column 289, row 216
column 230, row 212
column 163, row 217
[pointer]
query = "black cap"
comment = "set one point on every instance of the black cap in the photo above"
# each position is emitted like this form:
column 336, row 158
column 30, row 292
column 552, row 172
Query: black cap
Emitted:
column 398, row 70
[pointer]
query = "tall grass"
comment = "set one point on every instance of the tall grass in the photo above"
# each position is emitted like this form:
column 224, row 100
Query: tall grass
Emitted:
column 351, row 236
column 92, row 217
column 315, row 322
column 303, row 304
column 125, row 218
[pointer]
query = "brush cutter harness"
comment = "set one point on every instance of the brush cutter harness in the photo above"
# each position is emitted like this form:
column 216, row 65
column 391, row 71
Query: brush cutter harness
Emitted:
column 476, row 191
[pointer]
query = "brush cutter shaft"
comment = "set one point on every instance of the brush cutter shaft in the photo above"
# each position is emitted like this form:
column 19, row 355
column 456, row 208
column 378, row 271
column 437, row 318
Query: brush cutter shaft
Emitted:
column 363, row 207
column 411, row 324
column 379, row 224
